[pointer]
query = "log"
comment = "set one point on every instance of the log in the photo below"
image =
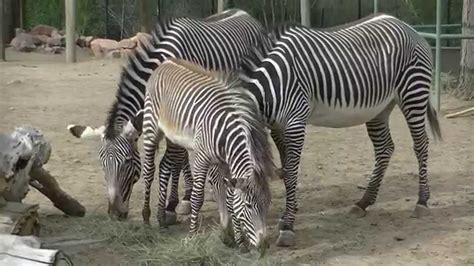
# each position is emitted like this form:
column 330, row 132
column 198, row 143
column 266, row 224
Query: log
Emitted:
column 456, row 114
column 18, row 250
column 49, row 187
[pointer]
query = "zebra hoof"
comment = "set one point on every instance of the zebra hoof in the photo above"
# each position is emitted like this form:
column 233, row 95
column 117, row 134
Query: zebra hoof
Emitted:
column 171, row 218
column 146, row 215
column 357, row 212
column 280, row 224
column 286, row 238
column 227, row 237
column 420, row 211
column 184, row 208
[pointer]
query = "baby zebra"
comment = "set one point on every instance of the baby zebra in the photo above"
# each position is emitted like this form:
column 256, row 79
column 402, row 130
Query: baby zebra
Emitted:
column 218, row 123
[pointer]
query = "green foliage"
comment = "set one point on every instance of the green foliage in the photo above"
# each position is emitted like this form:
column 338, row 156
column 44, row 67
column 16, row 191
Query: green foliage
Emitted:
column 51, row 12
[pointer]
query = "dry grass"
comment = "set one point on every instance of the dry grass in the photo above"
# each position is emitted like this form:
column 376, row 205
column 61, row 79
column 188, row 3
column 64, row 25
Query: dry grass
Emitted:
column 149, row 245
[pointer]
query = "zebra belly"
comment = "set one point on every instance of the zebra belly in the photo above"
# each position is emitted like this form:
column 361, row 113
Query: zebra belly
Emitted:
column 336, row 117
column 182, row 138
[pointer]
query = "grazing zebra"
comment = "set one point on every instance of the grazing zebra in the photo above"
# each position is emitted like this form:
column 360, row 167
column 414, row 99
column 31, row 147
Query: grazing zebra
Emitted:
column 218, row 123
column 342, row 77
column 216, row 43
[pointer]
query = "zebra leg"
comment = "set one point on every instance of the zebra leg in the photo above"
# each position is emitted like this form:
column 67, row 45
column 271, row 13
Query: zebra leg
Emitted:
column 217, row 176
column 185, row 207
column 170, row 166
column 293, row 144
column 277, row 137
column 150, row 147
column 200, row 167
column 416, row 123
column 379, row 133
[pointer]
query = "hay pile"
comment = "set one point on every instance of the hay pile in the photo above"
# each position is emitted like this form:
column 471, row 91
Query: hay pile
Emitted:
column 149, row 245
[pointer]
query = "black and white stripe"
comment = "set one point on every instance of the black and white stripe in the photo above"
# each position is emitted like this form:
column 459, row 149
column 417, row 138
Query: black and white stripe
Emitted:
column 342, row 77
column 221, row 128
column 217, row 43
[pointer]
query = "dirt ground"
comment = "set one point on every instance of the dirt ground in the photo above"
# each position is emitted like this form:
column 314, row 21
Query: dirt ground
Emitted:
column 42, row 91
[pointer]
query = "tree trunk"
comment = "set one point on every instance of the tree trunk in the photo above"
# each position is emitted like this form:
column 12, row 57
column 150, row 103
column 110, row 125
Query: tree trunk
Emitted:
column 465, row 89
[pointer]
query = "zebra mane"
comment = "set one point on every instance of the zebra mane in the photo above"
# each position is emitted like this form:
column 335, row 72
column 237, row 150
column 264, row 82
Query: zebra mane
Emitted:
column 245, row 108
column 135, row 59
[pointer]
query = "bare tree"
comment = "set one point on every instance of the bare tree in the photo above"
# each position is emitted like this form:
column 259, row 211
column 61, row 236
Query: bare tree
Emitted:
column 465, row 89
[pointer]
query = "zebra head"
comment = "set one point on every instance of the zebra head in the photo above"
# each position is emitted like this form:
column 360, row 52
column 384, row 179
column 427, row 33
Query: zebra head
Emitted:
column 251, row 203
column 121, row 164
column 120, row 161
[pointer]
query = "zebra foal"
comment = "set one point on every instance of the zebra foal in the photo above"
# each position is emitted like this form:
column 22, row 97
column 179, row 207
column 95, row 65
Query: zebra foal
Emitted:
column 218, row 123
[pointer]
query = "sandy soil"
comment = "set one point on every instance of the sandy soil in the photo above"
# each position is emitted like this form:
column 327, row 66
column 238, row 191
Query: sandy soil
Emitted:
column 42, row 91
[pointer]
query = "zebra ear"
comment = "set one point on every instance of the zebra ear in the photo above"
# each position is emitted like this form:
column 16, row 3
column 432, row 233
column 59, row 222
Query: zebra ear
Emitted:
column 133, row 129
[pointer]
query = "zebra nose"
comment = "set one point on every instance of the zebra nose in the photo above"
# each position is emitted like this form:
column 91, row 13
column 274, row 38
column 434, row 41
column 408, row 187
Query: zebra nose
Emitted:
column 115, row 212
column 263, row 245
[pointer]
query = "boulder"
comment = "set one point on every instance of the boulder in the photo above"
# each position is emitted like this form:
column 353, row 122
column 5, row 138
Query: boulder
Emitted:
column 127, row 44
column 101, row 47
column 113, row 54
column 140, row 38
column 25, row 42
column 42, row 38
column 84, row 41
column 54, row 41
column 43, row 30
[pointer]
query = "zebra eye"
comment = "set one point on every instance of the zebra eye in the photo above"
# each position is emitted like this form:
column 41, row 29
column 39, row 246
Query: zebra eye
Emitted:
column 248, row 205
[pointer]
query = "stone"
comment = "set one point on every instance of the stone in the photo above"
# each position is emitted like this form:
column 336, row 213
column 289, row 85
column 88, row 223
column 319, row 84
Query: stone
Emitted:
column 25, row 42
column 127, row 43
column 84, row 41
column 42, row 29
column 101, row 47
column 140, row 38
column 113, row 54
column 42, row 38
column 54, row 41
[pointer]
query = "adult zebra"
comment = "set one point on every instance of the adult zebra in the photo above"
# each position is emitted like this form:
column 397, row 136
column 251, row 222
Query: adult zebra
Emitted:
column 342, row 77
column 216, row 43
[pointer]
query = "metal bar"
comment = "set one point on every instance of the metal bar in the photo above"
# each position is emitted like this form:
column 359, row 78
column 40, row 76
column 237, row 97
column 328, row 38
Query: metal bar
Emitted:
column 429, row 26
column 436, row 99
column 22, row 14
column 376, row 6
column 2, row 30
column 427, row 35
column 70, row 31
column 305, row 13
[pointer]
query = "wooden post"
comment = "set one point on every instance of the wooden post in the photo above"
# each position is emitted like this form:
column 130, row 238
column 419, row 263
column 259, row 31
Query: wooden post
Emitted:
column 305, row 13
column 70, row 31
column 220, row 6
column 2, row 31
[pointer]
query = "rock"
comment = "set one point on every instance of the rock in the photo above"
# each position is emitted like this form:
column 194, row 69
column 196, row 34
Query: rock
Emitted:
column 127, row 44
column 43, row 30
column 140, row 38
column 125, row 52
column 84, row 41
column 113, row 54
column 18, row 31
column 101, row 47
column 54, row 41
column 25, row 42
column 42, row 38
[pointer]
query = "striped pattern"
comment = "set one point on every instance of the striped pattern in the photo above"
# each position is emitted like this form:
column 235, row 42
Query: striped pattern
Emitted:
column 219, row 125
column 216, row 43
column 342, row 77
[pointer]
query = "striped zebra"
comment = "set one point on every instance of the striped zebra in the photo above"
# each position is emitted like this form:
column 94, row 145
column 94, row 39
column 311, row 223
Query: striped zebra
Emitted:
column 217, row 43
column 219, row 124
column 341, row 77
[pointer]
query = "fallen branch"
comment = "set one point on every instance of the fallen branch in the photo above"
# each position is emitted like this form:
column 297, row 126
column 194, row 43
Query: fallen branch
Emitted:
column 456, row 114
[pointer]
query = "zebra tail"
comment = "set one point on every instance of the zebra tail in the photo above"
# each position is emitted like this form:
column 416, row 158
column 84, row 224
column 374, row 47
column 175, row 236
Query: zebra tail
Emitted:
column 434, row 123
